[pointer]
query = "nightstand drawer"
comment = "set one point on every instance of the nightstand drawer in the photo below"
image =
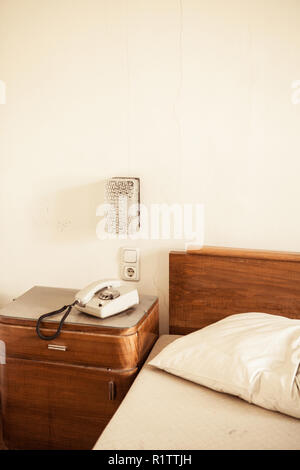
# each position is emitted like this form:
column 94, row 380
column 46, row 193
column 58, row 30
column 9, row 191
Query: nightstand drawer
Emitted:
column 107, row 351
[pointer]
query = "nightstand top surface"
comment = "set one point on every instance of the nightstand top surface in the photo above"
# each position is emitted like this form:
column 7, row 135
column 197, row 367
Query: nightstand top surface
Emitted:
column 39, row 300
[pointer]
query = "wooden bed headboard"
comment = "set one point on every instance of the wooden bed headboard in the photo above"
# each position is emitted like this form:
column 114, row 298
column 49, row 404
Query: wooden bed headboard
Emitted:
column 209, row 284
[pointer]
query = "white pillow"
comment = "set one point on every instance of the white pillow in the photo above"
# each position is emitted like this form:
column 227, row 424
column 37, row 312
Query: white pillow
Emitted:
column 255, row 356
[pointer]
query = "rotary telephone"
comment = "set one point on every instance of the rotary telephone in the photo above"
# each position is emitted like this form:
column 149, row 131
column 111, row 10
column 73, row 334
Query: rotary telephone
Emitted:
column 101, row 299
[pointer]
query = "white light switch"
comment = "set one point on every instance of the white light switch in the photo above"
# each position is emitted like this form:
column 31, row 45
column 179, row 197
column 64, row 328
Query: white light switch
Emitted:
column 129, row 256
column 130, row 264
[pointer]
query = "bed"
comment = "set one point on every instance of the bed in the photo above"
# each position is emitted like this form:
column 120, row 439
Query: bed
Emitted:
column 162, row 411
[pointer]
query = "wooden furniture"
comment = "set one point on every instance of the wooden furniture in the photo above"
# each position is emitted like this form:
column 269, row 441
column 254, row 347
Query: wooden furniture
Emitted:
column 209, row 284
column 60, row 394
column 2, row 446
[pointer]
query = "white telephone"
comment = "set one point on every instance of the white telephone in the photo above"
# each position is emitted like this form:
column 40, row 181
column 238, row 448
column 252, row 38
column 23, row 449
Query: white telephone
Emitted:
column 106, row 298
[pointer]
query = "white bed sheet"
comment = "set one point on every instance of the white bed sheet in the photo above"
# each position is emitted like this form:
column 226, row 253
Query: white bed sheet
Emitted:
column 162, row 411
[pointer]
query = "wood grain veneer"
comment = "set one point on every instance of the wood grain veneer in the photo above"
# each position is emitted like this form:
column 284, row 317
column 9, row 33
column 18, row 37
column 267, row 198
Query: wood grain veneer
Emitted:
column 209, row 284
column 148, row 333
column 49, row 405
column 115, row 351
column 246, row 253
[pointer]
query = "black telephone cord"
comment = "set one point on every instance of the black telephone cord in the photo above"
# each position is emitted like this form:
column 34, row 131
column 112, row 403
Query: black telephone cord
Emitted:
column 68, row 309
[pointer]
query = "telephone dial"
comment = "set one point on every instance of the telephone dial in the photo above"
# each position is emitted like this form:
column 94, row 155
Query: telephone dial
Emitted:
column 101, row 299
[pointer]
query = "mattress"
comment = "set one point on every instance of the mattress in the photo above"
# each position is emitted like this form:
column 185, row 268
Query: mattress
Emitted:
column 162, row 411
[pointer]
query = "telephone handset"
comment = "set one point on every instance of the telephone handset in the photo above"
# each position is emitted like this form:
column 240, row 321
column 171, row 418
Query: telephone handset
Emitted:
column 101, row 299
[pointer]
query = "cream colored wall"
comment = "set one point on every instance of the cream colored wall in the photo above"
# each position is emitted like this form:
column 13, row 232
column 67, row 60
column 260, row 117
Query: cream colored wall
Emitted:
column 192, row 96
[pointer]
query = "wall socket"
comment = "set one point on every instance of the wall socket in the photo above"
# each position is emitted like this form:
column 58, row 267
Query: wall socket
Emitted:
column 130, row 264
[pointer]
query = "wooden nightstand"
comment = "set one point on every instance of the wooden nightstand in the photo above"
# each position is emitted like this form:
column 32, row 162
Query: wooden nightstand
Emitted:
column 60, row 394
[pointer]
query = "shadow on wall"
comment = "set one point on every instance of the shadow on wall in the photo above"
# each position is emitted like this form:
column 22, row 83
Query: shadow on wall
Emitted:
column 161, row 282
column 69, row 215
column 4, row 299
column 155, row 278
